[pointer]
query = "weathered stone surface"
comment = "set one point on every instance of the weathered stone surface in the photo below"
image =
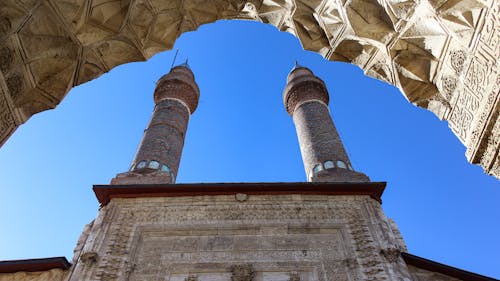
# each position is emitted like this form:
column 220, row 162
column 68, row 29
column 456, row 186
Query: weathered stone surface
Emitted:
column 266, row 237
column 442, row 55
column 50, row 275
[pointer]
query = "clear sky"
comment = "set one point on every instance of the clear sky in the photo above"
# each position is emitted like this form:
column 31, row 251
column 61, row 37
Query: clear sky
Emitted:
column 447, row 209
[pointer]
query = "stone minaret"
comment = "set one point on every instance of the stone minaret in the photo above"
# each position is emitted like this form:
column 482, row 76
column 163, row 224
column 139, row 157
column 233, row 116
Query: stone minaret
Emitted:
column 324, row 156
column 158, row 156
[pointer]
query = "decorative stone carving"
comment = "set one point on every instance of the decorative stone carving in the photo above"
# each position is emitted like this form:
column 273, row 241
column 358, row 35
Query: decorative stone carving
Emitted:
column 391, row 254
column 410, row 44
column 241, row 197
column 89, row 257
column 244, row 272
column 7, row 122
column 458, row 60
column 174, row 236
column 6, row 59
column 15, row 84
column 449, row 85
column 294, row 276
column 191, row 278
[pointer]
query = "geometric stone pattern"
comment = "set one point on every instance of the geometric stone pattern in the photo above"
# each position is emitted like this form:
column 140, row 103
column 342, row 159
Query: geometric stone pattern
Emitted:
column 265, row 237
column 442, row 55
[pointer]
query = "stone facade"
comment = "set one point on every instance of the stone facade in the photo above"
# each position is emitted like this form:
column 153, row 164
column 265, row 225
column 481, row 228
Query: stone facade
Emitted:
column 442, row 55
column 265, row 237
column 309, row 232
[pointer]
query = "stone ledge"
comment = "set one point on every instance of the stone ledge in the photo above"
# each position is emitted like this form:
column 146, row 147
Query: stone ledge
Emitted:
column 105, row 193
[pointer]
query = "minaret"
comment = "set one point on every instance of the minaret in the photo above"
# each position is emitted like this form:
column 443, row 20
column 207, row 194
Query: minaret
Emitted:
column 158, row 156
column 324, row 156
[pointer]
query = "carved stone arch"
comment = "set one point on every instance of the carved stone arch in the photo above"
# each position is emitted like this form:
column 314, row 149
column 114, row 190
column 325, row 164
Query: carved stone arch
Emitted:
column 442, row 55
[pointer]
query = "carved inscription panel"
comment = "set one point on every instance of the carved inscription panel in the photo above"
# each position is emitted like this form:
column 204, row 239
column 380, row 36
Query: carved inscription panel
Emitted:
column 476, row 109
column 275, row 252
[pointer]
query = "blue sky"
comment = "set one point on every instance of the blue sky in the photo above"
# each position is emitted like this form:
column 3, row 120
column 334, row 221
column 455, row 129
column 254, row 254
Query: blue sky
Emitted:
column 447, row 209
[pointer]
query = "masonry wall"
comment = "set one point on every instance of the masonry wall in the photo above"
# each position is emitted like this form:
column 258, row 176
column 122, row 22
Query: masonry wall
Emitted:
column 227, row 237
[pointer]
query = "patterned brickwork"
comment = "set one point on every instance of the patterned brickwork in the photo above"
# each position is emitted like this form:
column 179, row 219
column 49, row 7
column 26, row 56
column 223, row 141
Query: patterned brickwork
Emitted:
column 178, row 84
column 159, row 153
column 323, row 153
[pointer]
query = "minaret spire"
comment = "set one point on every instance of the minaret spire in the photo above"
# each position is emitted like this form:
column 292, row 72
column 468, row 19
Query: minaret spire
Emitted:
column 323, row 153
column 158, row 156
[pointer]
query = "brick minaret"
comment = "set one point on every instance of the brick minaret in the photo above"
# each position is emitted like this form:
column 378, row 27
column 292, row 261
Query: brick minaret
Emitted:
column 158, row 156
column 325, row 159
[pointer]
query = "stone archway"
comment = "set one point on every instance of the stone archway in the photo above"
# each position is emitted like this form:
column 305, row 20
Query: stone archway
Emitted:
column 442, row 54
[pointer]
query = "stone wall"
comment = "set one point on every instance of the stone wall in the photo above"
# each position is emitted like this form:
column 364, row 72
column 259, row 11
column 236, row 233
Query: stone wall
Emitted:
column 49, row 275
column 227, row 237
column 442, row 55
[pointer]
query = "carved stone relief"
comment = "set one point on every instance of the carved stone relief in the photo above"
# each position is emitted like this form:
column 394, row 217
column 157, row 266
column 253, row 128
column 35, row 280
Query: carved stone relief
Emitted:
column 191, row 278
column 7, row 124
column 302, row 238
column 242, row 272
column 442, row 55
column 294, row 276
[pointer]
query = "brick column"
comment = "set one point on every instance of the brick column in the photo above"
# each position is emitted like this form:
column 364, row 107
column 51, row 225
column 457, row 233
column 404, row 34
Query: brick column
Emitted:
column 323, row 153
column 158, row 156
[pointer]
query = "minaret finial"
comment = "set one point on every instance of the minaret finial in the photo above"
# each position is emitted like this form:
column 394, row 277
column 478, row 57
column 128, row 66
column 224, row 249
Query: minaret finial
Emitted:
column 185, row 63
column 296, row 65
column 175, row 57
